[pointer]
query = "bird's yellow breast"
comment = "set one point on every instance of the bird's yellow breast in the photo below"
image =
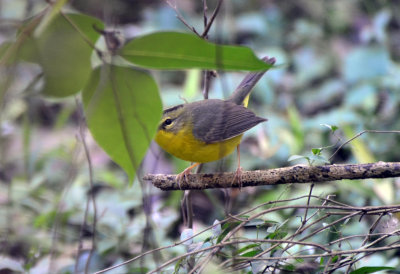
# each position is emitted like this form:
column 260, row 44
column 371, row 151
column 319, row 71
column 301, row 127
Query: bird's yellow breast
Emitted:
column 185, row 146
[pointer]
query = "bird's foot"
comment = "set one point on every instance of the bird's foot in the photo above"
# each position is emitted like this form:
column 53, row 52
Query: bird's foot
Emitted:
column 181, row 177
column 238, row 177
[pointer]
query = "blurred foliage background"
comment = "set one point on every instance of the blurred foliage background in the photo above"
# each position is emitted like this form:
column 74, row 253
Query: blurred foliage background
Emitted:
column 338, row 64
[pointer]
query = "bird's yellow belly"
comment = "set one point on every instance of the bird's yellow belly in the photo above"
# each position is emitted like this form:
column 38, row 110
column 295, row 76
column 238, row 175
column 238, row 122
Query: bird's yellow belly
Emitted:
column 186, row 147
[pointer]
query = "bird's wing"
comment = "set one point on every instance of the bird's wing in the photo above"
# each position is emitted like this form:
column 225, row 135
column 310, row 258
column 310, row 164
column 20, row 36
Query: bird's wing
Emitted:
column 221, row 120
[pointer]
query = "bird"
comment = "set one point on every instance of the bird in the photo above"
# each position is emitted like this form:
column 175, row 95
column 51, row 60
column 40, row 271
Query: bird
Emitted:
column 208, row 130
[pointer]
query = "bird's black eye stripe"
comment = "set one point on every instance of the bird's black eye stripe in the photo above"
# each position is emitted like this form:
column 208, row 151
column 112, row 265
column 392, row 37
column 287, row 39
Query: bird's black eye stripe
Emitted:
column 167, row 122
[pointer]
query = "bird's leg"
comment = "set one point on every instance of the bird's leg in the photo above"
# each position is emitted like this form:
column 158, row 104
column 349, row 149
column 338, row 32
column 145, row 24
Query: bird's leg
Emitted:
column 183, row 175
column 238, row 173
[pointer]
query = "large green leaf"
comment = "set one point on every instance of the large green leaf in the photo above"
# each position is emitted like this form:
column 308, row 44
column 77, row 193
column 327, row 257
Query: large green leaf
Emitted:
column 123, row 108
column 63, row 49
column 24, row 48
column 48, row 17
column 174, row 50
column 65, row 55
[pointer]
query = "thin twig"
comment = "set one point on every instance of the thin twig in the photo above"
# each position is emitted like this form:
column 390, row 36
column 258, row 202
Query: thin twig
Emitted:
column 213, row 16
column 205, row 8
column 180, row 17
column 189, row 208
column 236, row 229
column 349, row 210
column 308, row 203
column 234, row 243
column 358, row 135
column 240, row 226
column 78, row 30
column 197, row 234
column 149, row 241
column 367, row 253
column 334, row 253
column 357, row 236
column 208, row 75
column 300, row 229
column 328, row 254
column 160, row 248
column 330, row 225
column 91, row 192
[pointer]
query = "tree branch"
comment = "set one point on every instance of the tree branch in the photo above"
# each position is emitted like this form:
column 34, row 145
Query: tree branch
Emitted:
column 285, row 175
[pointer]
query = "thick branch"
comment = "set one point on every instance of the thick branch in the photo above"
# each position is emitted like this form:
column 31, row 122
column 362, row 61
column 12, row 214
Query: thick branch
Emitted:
column 286, row 175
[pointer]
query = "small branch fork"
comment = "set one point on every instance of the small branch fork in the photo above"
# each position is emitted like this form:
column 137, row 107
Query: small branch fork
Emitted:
column 286, row 175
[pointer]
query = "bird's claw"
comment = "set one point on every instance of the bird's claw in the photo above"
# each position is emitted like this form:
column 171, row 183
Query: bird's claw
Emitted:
column 183, row 177
column 238, row 177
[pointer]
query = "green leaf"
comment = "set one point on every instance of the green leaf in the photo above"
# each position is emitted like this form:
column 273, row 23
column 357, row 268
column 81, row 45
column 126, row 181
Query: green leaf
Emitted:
column 251, row 253
column 49, row 16
column 334, row 128
column 123, row 108
column 316, row 151
column 178, row 265
column 174, row 50
column 12, row 52
column 5, row 48
column 371, row 269
column 226, row 228
column 24, row 48
column 297, row 157
column 64, row 54
column 44, row 219
column 331, row 127
column 247, row 247
column 277, row 235
column 255, row 222
column 47, row 219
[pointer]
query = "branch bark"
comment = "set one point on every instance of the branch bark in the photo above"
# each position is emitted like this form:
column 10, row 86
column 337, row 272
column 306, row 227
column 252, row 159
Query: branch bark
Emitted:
column 286, row 175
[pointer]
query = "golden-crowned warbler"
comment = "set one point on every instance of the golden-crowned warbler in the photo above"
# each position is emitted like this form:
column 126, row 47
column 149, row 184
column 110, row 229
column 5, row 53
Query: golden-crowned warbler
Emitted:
column 208, row 130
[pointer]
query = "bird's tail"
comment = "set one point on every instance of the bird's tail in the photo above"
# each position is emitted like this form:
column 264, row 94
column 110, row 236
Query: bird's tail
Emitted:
column 241, row 95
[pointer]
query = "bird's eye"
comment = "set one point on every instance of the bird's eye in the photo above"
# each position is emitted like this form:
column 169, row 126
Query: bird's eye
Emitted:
column 168, row 122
